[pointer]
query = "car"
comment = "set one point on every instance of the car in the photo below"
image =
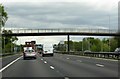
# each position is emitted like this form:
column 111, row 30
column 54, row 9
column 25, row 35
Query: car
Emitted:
column 30, row 53
column 117, row 50
column 87, row 51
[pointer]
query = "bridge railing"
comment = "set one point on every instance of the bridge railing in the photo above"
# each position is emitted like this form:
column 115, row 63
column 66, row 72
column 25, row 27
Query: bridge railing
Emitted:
column 64, row 30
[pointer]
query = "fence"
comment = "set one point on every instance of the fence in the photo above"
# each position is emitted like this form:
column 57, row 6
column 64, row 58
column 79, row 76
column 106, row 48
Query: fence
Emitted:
column 108, row 55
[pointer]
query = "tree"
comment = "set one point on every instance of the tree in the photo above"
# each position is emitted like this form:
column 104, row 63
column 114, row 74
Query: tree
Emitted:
column 85, row 44
column 77, row 46
column 113, row 44
column 96, row 45
column 105, row 48
column 105, row 45
column 3, row 15
column 7, row 42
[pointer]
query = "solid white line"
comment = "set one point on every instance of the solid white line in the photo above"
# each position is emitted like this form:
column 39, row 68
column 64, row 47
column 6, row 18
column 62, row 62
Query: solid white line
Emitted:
column 52, row 67
column 79, row 60
column 94, row 58
column 79, row 56
column 10, row 64
column 106, row 59
column 100, row 65
column 45, row 62
column 66, row 78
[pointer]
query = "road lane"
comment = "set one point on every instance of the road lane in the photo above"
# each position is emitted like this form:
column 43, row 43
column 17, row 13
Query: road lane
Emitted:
column 62, row 66
column 7, row 60
column 108, row 63
column 81, row 69
column 30, row 68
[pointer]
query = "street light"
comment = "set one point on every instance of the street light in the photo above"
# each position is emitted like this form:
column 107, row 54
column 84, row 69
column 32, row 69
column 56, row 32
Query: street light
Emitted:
column 109, row 32
column 82, row 45
column 15, row 46
column 4, row 44
column 11, row 45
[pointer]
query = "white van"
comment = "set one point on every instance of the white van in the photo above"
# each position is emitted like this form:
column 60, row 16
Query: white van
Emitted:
column 47, row 50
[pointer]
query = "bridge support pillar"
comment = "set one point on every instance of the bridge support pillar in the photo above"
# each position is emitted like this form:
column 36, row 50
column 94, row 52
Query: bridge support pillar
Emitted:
column 68, row 47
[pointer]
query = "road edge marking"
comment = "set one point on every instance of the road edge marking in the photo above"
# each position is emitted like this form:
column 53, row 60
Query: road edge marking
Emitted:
column 10, row 64
column 99, row 65
column 79, row 60
column 95, row 58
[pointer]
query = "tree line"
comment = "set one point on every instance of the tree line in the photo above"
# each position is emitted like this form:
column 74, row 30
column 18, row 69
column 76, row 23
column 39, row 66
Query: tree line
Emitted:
column 90, row 43
column 6, row 43
column 3, row 19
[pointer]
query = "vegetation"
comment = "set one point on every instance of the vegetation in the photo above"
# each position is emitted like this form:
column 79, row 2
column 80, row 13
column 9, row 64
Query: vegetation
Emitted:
column 8, row 42
column 3, row 19
column 3, row 15
column 93, row 44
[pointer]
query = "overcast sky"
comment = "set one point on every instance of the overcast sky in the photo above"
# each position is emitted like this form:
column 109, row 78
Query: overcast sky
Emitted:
column 61, row 14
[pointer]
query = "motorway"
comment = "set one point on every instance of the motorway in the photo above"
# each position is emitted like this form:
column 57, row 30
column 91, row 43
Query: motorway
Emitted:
column 64, row 66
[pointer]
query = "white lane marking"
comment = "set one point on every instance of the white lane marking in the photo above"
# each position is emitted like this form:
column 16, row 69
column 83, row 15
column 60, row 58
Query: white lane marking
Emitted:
column 66, row 78
column 79, row 60
column 99, row 65
column 94, row 58
column 52, row 67
column 10, row 64
column 79, row 56
column 106, row 59
column 45, row 62
column 68, row 58
column 41, row 59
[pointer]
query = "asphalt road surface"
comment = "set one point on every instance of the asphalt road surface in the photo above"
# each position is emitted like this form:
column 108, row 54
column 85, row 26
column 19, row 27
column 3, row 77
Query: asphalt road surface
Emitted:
column 64, row 66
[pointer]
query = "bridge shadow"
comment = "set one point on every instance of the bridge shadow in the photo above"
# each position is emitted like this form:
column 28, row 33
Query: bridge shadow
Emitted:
column 29, row 58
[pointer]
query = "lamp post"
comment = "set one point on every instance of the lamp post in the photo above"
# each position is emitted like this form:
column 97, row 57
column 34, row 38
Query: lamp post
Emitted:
column 4, row 39
column 82, row 45
column 109, row 32
column 14, row 46
column 11, row 45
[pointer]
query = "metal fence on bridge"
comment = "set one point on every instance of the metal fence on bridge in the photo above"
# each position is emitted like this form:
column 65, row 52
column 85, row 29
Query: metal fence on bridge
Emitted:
column 75, row 30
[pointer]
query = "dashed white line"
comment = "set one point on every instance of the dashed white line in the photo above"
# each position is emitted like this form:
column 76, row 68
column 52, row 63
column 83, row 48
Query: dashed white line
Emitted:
column 45, row 62
column 10, row 64
column 99, row 65
column 52, row 67
column 41, row 59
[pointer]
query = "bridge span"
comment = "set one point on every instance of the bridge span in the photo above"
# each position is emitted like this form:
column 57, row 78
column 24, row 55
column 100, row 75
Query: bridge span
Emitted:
column 64, row 31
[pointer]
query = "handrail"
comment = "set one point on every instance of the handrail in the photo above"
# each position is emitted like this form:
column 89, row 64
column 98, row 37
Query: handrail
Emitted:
column 63, row 30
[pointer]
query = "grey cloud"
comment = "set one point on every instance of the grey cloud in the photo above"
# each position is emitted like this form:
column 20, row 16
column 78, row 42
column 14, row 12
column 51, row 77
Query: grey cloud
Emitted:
column 64, row 14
